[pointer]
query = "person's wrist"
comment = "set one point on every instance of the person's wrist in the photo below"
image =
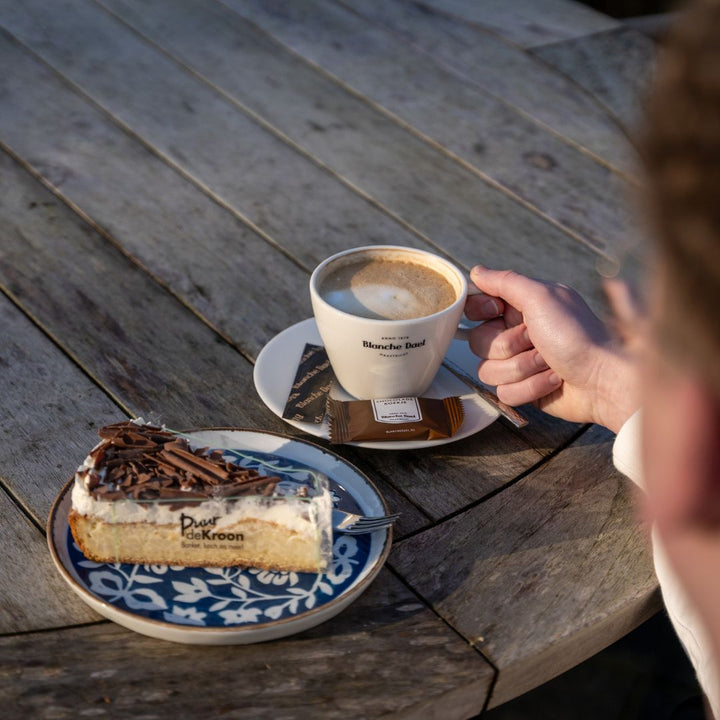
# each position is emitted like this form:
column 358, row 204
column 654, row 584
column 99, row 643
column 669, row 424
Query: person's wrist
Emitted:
column 617, row 392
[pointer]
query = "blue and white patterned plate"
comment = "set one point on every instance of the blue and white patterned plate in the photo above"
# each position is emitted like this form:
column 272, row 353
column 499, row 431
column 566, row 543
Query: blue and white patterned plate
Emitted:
column 234, row 605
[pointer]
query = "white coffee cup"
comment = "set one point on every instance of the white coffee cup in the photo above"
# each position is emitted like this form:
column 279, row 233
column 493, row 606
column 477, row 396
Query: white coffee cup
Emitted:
column 386, row 315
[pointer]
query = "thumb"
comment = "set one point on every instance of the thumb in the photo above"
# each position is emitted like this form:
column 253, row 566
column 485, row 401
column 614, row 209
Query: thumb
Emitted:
column 506, row 284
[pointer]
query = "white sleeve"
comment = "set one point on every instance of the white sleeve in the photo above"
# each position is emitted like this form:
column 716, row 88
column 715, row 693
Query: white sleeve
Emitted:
column 626, row 449
column 686, row 621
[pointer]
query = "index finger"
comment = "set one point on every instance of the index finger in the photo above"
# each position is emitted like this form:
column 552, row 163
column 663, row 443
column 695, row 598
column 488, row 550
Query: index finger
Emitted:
column 505, row 284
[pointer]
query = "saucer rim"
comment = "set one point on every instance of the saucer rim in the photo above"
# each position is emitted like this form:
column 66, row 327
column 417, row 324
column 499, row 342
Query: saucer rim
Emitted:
column 307, row 330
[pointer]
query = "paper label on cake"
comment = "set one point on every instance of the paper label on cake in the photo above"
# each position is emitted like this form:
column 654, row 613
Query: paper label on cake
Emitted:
column 205, row 531
column 397, row 410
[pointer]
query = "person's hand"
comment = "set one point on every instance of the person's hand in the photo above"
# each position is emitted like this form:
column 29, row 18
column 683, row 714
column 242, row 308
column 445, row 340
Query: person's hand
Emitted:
column 541, row 343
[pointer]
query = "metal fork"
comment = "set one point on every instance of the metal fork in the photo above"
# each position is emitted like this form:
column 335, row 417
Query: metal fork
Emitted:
column 351, row 524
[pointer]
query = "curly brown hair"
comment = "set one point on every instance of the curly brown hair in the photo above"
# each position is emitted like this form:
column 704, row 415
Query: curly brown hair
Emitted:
column 681, row 151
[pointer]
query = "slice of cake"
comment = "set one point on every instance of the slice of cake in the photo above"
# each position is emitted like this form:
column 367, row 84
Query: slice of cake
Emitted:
column 144, row 495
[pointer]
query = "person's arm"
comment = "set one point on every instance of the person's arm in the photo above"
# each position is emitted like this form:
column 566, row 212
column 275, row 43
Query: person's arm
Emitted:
column 541, row 343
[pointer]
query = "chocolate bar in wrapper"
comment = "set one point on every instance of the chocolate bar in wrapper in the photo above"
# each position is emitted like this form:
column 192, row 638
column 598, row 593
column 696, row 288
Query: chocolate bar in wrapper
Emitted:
column 411, row 418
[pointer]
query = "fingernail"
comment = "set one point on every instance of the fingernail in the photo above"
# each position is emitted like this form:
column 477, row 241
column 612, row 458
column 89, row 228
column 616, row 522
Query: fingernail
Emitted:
column 554, row 379
column 490, row 307
column 540, row 361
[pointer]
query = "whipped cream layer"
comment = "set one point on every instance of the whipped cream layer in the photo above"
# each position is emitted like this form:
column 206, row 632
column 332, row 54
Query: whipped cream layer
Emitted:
column 144, row 474
column 299, row 515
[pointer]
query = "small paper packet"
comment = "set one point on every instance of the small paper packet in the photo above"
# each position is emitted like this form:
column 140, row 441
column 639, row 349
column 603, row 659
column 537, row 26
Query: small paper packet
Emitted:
column 410, row 418
column 308, row 394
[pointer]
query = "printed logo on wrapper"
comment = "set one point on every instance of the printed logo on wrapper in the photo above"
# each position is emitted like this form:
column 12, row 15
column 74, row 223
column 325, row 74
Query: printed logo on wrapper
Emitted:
column 397, row 410
column 393, row 418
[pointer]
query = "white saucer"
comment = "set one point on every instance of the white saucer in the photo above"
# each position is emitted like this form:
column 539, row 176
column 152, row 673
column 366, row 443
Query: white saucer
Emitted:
column 278, row 360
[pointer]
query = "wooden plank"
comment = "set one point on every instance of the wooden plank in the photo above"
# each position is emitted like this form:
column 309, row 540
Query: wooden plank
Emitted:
column 49, row 412
column 48, row 418
column 90, row 297
column 473, row 468
column 615, row 66
column 443, row 200
column 532, row 165
column 541, row 589
column 645, row 675
column 205, row 254
column 527, row 22
column 47, row 424
column 295, row 205
column 34, row 595
column 510, row 74
column 386, row 655
column 543, row 430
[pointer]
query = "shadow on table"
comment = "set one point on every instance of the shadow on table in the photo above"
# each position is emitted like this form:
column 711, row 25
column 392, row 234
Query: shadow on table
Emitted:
column 644, row 676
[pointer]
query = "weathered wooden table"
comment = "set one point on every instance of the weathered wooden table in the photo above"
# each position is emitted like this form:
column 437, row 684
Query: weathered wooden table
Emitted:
column 171, row 171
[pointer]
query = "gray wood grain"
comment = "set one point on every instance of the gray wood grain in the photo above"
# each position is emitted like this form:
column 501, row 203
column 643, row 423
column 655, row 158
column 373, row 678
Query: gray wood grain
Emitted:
column 470, row 469
column 615, row 66
column 443, row 201
column 34, row 595
column 187, row 240
column 90, row 297
column 509, row 73
column 527, row 22
column 265, row 182
column 539, row 592
column 491, row 138
column 49, row 412
column 47, row 424
column 387, row 653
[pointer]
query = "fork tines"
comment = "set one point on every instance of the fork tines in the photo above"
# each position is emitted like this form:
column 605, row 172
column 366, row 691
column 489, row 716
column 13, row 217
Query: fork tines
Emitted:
column 370, row 524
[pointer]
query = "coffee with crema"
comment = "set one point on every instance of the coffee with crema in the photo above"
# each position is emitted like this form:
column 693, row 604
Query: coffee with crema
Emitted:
column 386, row 289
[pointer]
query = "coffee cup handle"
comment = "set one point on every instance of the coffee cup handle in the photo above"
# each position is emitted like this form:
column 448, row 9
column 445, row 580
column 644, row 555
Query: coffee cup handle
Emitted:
column 463, row 332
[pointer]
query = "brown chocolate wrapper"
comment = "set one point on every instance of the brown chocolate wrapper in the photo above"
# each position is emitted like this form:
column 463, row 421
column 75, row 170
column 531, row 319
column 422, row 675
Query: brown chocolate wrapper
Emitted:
column 394, row 419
